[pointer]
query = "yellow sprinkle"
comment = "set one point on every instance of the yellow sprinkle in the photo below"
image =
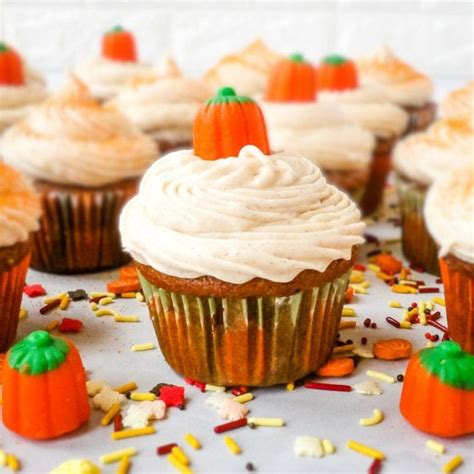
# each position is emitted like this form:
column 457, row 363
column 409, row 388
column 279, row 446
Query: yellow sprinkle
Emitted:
column 407, row 282
column 50, row 299
column 105, row 301
column 192, row 441
column 104, row 312
column 245, row 397
column 381, row 376
column 126, row 387
column 347, row 324
column 405, row 315
column 213, row 388
column 383, row 276
column 404, row 272
column 403, row 289
column 374, row 268
column 435, row 446
column 359, row 289
column 429, row 305
column 143, row 347
column 123, row 466
column 365, row 284
column 23, row 314
column 413, row 312
column 346, row 311
column 64, row 302
column 421, row 313
column 394, row 304
column 180, row 455
column 451, row 465
column 103, row 294
column 132, row 433
column 117, row 455
column 139, row 297
column 328, row 447
column 13, row 463
column 365, row 450
column 356, row 278
column 290, row 386
column 3, row 458
column 345, row 348
column 272, row 422
column 121, row 318
column 174, row 461
column 52, row 325
column 142, row 397
column 405, row 324
column 130, row 294
column 373, row 420
column 93, row 306
column 429, row 343
column 108, row 417
column 438, row 300
column 234, row 448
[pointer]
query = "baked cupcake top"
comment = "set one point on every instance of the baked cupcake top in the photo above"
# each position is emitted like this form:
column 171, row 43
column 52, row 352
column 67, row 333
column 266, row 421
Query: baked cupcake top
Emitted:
column 19, row 207
column 399, row 82
column 71, row 139
column 246, row 70
column 425, row 156
column 449, row 213
column 20, row 87
column 459, row 104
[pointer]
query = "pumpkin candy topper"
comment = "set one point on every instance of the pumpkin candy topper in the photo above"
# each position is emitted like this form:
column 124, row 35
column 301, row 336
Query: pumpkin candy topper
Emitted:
column 438, row 391
column 337, row 73
column 119, row 45
column 292, row 80
column 44, row 387
column 11, row 67
column 226, row 124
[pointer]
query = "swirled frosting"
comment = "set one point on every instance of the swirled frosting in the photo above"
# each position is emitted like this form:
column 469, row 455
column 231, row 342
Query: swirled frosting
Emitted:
column 399, row 82
column 71, row 139
column 247, row 71
column 19, row 207
column 459, row 104
column 321, row 132
column 239, row 218
column 449, row 213
column 425, row 156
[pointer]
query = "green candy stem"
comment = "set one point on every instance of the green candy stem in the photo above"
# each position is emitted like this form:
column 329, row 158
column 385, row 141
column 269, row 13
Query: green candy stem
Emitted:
column 38, row 353
column 297, row 58
column 335, row 59
column 116, row 29
column 226, row 95
column 3, row 47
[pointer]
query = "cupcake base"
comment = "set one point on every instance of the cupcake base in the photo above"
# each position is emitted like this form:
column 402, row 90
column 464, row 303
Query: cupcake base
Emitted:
column 420, row 117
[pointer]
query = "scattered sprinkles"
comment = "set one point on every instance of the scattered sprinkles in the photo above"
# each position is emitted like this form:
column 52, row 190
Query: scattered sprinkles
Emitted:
column 232, row 445
column 143, row 347
column 453, row 464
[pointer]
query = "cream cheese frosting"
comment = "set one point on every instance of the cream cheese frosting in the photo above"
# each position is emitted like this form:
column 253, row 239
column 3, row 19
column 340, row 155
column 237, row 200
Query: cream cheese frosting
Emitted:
column 321, row 132
column 71, row 139
column 239, row 218
column 19, row 207
column 399, row 82
column 459, row 104
column 425, row 156
column 449, row 213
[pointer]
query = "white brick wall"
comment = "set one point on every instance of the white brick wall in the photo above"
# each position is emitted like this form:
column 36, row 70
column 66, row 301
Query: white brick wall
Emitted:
column 438, row 36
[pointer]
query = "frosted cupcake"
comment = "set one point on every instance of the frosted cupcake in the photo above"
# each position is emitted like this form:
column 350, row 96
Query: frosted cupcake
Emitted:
column 420, row 160
column 243, row 256
column 459, row 104
column 321, row 132
column 164, row 105
column 106, row 75
column 20, row 87
column 401, row 84
column 449, row 215
column 85, row 161
column 338, row 83
column 19, row 214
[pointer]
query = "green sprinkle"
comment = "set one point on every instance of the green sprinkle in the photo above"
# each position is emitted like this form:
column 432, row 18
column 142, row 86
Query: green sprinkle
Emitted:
column 335, row 59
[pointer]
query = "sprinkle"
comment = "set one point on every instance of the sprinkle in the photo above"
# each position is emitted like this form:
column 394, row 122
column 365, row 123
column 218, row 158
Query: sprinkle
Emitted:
column 403, row 289
column 141, row 397
column 173, row 395
column 3, row 458
column 105, row 301
column 429, row 305
column 192, row 441
column 50, row 299
column 332, row 387
column 374, row 420
column 405, row 325
column 328, row 447
column 365, row 284
column 102, row 294
column 118, row 424
column 165, row 449
column 365, row 450
column 50, row 306
column 356, row 277
column 438, row 300
column 234, row 448
column 174, row 461
column 126, row 387
column 359, row 289
column 231, row 425
column 139, row 297
column 308, row 446
column 132, row 433
column 64, row 302
column 93, row 306
column 435, row 446
column 381, row 376
column 437, row 325
column 290, row 386
column 13, row 462
column 213, row 388
column 347, row 325
column 359, row 267
column 451, row 465
column 271, row 422
column 368, row 387
column 34, row 290
column 114, row 409
column 129, row 294
column 408, row 282
column 105, row 312
column 363, row 352
column 23, row 314
column 374, row 268
column 120, row 318
column 344, row 348
column 70, row 325
column 405, row 315
column 180, row 455
column 123, row 466
column 427, row 289
column 346, row 311
column 393, row 322
column 78, row 295
column 374, row 468
column 117, row 455
column 394, row 304
column 143, row 347
column 246, row 397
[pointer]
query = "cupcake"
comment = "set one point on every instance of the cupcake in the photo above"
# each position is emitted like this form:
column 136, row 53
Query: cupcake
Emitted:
column 163, row 105
column 401, row 84
column 337, row 81
column 247, row 70
column 20, row 87
column 449, row 216
column 85, row 161
column 118, row 63
column 19, row 213
column 321, row 132
column 243, row 255
column 419, row 160
column 459, row 104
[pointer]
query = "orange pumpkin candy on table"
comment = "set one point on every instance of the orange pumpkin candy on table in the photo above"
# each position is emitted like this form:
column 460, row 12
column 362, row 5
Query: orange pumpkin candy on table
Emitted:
column 44, row 387
column 119, row 45
column 11, row 67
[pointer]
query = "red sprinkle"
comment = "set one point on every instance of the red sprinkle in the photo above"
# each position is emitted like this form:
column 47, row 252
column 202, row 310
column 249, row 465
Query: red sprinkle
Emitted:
column 232, row 425
column 439, row 281
column 200, row 385
column 165, row 449
column 417, row 268
column 328, row 386
column 367, row 322
column 375, row 466
column 70, row 325
column 118, row 426
column 360, row 267
column 50, row 306
column 434, row 316
column 432, row 337
column 173, row 396
column 393, row 322
column 428, row 289
column 363, row 340
column 373, row 325
column 239, row 391
column 34, row 290
column 436, row 325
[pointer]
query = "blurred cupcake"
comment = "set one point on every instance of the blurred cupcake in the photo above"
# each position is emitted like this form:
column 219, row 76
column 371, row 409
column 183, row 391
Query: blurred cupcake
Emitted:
column 19, row 214
column 420, row 160
column 118, row 63
column 449, row 215
column 337, row 81
column 401, row 84
column 247, row 70
column 164, row 105
column 243, row 256
column 459, row 104
column 85, row 161
column 319, row 131
column 20, row 87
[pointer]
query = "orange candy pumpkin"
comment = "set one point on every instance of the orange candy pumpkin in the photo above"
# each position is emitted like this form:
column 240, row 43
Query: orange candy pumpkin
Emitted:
column 337, row 73
column 119, row 45
column 11, row 67
column 438, row 391
column 227, row 123
column 292, row 80
column 44, row 387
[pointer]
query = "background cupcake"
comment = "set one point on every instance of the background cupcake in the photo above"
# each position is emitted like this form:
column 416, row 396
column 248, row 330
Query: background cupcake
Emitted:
column 85, row 161
column 459, row 104
column 19, row 214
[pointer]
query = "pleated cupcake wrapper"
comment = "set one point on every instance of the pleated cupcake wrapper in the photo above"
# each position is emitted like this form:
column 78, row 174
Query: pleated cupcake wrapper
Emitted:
column 79, row 229
column 12, row 282
column 418, row 245
column 257, row 341
column 459, row 297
